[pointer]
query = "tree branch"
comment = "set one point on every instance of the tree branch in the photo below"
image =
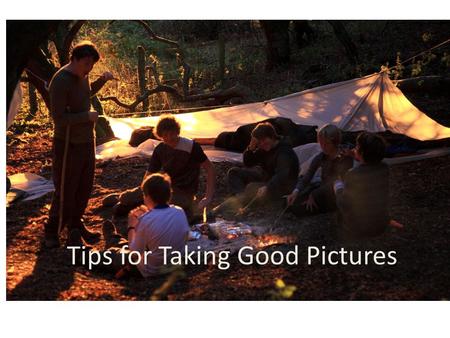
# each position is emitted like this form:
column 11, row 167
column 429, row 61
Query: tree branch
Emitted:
column 218, row 95
column 139, row 99
column 64, row 57
column 154, row 36
column 116, row 100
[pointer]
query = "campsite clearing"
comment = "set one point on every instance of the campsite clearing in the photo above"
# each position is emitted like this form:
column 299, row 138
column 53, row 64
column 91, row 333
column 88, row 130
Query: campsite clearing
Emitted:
column 419, row 199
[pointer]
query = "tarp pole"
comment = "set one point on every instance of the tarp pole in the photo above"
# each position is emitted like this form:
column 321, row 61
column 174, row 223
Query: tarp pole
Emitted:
column 63, row 179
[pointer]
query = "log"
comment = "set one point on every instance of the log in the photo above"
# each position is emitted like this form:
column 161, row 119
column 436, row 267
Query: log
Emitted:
column 221, row 95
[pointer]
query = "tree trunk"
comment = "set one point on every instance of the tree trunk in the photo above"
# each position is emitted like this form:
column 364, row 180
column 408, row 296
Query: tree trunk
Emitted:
column 277, row 36
column 141, row 76
column 95, row 102
column 32, row 98
column 221, row 70
column 304, row 34
column 344, row 38
column 23, row 39
column 40, row 71
column 41, row 68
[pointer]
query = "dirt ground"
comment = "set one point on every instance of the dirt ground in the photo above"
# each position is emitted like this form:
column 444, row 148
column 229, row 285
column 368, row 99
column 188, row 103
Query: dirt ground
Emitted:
column 420, row 197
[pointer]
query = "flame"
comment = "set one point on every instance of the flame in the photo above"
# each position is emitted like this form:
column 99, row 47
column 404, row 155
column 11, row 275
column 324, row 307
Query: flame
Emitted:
column 267, row 240
column 204, row 215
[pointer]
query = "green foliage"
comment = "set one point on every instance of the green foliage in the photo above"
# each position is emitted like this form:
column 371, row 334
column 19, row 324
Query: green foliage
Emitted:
column 418, row 66
column 426, row 37
column 282, row 291
column 320, row 62
column 397, row 71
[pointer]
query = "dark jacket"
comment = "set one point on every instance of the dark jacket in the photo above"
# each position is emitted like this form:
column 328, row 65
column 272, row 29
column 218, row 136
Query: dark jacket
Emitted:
column 364, row 202
column 280, row 164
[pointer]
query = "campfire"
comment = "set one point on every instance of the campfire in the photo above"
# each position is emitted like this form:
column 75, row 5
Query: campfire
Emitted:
column 232, row 235
column 271, row 239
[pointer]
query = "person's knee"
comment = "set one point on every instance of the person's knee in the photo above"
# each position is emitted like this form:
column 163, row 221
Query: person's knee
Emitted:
column 253, row 187
column 233, row 173
column 235, row 180
column 183, row 201
column 131, row 197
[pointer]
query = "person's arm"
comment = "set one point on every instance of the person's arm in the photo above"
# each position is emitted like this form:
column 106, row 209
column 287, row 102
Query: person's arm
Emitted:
column 100, row 82
column 136, row 240
column 340, row 200
column 199, row 156
column 210, row 183
column 133, row 222
column 155, row 164
column 340, row 188
column 59, row 106
column 345, row 164
column 135, row 237
column 252, row 156
column 184, row 223
column 304, row 180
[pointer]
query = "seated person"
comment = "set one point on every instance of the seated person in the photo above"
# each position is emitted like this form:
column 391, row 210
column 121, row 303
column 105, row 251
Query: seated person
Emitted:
column 150, row 226
column 271, row 170
column 308, row 198
column 362, row 197
column 181, row 158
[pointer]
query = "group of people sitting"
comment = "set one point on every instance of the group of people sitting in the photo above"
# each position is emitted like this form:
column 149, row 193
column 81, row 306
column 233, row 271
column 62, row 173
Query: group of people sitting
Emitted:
column 358, row 193
column 160, row 210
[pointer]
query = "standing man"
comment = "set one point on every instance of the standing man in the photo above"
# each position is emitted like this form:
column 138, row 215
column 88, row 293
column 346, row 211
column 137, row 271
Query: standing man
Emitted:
column 73, row 143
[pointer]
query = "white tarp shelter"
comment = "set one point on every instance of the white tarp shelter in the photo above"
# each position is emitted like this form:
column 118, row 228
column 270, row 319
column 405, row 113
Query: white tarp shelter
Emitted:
column 371, row 103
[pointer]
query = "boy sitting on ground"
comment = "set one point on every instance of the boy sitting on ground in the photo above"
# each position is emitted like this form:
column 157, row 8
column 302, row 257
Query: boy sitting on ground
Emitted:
column 181, row 158
column 270, row 170
column 150, row 226
column 362, row 197
column 308, row 198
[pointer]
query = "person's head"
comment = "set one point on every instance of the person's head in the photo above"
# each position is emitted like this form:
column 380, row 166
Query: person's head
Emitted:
column 168, row 130
column 370, row 148
column 156, row 189
column 83, row 57
column 329, row 137
column 266, row 136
